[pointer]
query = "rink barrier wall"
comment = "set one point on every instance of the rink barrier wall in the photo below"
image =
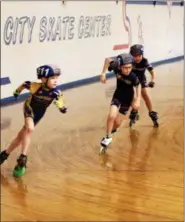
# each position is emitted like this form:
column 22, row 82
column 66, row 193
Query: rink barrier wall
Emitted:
column 67, row 86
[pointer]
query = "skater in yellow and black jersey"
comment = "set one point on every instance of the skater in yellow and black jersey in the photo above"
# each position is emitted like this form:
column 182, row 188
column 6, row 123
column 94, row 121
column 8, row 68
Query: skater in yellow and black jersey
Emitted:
column 41, row 96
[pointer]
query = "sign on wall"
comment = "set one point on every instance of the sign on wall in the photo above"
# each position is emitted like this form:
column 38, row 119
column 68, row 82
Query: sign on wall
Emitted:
column 19, row 30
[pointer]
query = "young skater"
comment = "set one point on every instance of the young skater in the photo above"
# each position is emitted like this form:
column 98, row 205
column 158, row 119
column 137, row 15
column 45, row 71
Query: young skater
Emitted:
column 139, row 67
column 127, row 94
column 41, row 96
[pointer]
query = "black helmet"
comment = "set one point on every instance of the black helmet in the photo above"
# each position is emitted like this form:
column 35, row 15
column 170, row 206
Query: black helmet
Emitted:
column 136, row 50
column 124, row 59
column 47, row 71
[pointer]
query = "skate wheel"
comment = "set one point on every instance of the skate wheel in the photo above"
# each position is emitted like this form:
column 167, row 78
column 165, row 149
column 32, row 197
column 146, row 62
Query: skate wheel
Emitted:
column 19, row 171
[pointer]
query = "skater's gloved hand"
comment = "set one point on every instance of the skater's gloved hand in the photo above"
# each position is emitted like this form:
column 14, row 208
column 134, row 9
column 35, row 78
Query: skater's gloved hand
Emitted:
column 103, row 78
column 151, row 84
column 63, row 109
column 15, row 94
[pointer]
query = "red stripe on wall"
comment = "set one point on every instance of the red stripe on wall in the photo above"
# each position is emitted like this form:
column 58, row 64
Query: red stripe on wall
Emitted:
column 118, row 47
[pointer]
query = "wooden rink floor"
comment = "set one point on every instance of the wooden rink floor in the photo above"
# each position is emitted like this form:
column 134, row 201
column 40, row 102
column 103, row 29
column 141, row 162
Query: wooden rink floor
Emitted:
column 140, row 178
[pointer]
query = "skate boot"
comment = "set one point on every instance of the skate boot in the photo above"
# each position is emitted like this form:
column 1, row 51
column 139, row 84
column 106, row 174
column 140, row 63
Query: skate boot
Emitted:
column 20, row 168
column 154, row 117
column 104, row 143
column 3, row 156
column 134, row 116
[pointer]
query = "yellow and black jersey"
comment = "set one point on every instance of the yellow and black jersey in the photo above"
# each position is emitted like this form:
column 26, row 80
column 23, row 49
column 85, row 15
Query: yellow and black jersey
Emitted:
column 40, row 98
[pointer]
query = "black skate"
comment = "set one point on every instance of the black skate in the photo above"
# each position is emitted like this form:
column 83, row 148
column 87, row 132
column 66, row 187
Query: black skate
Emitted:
column 3, row 156
column 154, row 117
column 134, row 116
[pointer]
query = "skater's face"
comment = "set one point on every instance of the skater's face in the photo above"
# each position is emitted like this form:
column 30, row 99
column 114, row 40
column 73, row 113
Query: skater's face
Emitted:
column 52, row 82
column 138, row 58
column 126, row 69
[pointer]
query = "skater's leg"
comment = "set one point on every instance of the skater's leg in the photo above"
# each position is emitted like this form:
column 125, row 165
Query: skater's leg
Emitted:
column 111, row 119
column 118, row 121
column 29, row 128
column 19, row 169
column 115, row 126
column 30, row 123
column 23, row 137
column 28, row 114
column 120, row 117
column 13, row 145
column 16, row 142
column 153, row 115
column 110, row 122
column 147, row 99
